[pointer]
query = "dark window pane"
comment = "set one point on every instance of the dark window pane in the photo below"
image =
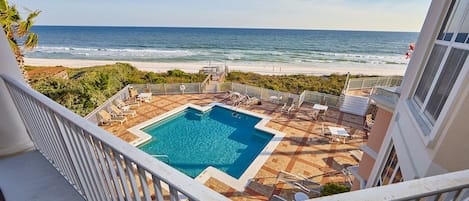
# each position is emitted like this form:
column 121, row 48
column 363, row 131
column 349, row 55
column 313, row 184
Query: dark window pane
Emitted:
column 429, row 73
column 461, row 37
column 448, row 76
column 448, row 36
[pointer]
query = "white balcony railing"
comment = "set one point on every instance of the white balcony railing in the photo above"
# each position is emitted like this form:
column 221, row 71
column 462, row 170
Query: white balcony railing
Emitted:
column 97, row 164
column 446, row 187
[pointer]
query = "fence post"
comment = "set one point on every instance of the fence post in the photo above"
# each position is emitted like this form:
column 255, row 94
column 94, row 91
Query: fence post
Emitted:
column 261, row 90
column 347, row 83
column 164, row 88
column 200, row 88
column 363, row 83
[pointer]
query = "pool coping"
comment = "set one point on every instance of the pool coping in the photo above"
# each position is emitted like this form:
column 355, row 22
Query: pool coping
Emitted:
column 238, row 184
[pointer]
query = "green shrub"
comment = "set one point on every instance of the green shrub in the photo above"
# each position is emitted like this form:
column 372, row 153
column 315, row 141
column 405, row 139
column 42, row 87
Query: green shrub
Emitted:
column 333, row 188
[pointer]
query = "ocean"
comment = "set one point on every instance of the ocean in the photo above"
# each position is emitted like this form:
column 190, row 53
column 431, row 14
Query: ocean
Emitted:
column 276, row 47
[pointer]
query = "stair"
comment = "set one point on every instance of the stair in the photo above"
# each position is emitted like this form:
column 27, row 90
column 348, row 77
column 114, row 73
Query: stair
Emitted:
column 356, row 105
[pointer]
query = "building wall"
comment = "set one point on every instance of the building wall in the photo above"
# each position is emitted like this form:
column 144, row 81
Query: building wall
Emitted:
column 375, row 139
column 383, row 117
column 420, row 154
column 452, row 148
column 13, row 135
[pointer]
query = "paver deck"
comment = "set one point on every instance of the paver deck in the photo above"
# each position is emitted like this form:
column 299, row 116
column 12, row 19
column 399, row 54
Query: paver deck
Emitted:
column 303, row 150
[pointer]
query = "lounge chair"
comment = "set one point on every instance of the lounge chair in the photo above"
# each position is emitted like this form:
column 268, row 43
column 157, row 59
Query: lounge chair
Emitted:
column 121, row 104
column 315, row 115
column 300, row 182
column 284, row 107
column 277, row 198
column 291, row 108
column 250, row 100
column 287, row 105
column 104, row 117
column 119, row 112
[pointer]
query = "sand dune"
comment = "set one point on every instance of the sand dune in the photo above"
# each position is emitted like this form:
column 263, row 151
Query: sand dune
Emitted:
column 269, row 69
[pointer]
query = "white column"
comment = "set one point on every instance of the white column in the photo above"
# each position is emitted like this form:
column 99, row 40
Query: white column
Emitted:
column 13, row 135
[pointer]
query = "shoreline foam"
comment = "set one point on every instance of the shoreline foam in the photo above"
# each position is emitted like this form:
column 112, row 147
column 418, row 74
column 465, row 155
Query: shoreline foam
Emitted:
column 193, row 67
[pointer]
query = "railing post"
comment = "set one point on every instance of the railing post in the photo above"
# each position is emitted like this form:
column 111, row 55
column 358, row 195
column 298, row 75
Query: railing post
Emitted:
column 261, row 90
column 164, row 88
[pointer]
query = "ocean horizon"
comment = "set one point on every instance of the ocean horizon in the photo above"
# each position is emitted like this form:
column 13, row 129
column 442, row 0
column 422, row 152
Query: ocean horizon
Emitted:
column 250, row 46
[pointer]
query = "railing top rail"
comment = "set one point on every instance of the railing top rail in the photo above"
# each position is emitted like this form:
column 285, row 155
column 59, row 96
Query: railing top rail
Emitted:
column 409, row 190
column 164, row 172
column 375, row 78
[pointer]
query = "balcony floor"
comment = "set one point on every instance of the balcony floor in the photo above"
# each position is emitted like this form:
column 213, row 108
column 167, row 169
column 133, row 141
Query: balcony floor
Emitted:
column 30, row 176
column 302, row 150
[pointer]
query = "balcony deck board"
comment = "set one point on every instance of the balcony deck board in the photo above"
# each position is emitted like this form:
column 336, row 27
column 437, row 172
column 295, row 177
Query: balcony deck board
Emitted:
column 30, row 176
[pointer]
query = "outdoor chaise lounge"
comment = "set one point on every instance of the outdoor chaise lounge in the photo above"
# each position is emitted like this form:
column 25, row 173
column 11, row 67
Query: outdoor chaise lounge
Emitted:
column 119, row 112
column 106, row 118
column 300, row 182
column 287, row 105
column 121, row 104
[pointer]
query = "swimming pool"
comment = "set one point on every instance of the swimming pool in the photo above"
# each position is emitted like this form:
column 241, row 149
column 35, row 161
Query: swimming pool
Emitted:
column 219, row 137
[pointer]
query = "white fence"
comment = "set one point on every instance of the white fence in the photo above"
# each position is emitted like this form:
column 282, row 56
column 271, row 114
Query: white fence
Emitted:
column 97, row 164
column 368, row 83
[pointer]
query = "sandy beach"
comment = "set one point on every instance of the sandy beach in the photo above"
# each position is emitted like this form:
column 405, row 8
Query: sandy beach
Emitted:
column 267, row 69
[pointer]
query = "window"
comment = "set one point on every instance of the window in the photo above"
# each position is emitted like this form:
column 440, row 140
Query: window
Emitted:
column 391, row 172
column 446, row 60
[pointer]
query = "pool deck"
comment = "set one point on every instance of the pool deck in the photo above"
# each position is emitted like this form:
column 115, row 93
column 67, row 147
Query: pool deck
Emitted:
column 303, row 151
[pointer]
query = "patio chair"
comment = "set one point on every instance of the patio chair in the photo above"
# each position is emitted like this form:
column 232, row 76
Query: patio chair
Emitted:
column 119, row 112
column 322, row 115
column 287, row 105
column 133, row 92
column 369, row 122
column 105, row 118
column 304, row 184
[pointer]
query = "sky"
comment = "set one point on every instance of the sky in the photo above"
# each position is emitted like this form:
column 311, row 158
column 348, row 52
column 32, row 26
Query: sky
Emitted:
column 377, row 15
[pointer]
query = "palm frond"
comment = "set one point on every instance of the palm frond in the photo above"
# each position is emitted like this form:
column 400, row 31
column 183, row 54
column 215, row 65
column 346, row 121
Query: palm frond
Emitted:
column 3, row 5
column 31, row 41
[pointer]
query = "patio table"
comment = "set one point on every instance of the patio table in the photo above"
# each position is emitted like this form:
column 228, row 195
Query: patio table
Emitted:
column 339, row 132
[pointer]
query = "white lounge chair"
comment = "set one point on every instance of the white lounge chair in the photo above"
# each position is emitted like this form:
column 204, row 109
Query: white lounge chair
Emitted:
column 300, row 182
column 284, row 107
column 119, row 112
column 287, row 105
column 277, row 198
column 104, row 117
column 291, row 108
column 121, row 104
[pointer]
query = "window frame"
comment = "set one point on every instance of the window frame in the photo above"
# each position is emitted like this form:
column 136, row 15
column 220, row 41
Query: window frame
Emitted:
column 425, row 121
column 384, row 167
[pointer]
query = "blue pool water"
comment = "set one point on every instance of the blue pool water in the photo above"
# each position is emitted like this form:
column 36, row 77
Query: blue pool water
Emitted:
column 194, row 140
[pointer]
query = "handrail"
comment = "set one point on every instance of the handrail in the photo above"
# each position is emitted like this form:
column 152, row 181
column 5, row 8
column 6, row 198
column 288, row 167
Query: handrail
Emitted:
column 450, row 186
column 99, row 165
column 370, row 82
